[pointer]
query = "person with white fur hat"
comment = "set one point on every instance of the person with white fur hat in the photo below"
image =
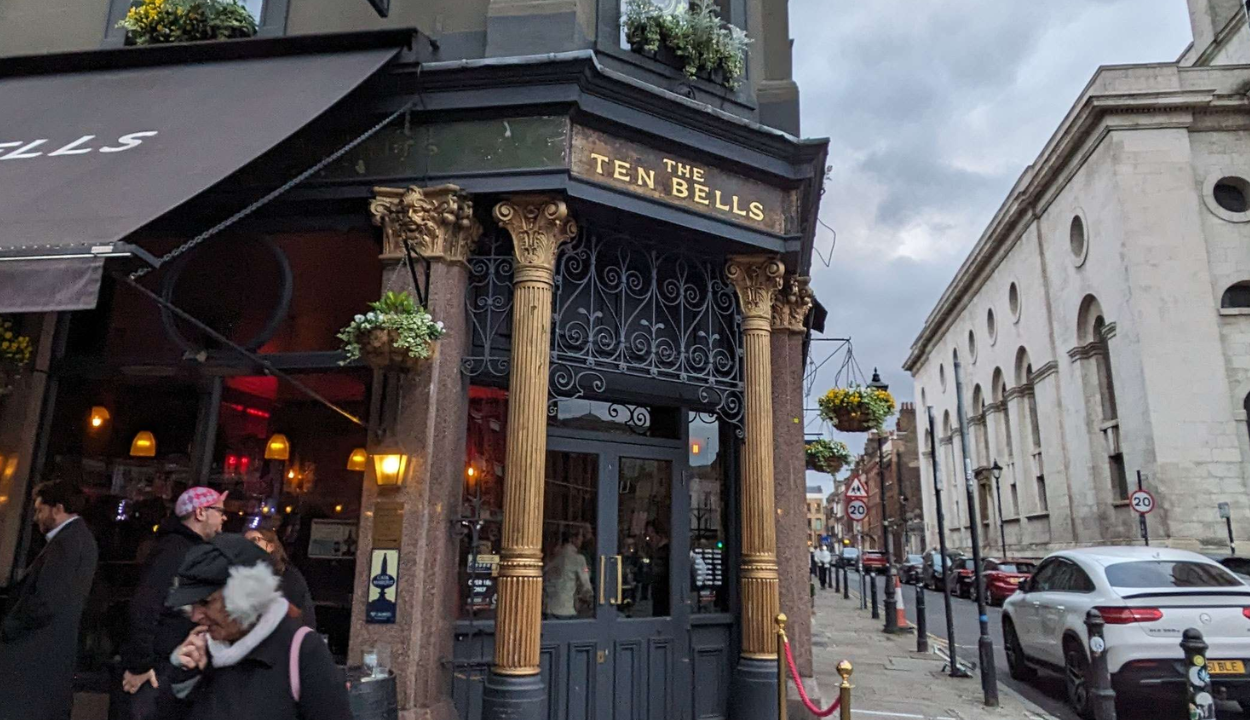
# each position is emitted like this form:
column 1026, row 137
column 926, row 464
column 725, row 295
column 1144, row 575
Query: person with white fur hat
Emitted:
column 249, row 657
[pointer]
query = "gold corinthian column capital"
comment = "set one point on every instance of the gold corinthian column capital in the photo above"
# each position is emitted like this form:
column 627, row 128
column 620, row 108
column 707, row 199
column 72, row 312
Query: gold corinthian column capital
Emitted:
column 757, row 279
column 436, row 222
column 791, row 305
column 539, row 225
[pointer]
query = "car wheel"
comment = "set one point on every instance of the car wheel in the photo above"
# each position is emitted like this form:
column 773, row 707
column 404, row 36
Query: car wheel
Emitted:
column 1076, row 679
column 1016, row 663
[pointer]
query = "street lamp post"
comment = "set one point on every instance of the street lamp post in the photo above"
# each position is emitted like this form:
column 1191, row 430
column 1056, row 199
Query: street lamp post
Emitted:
column 891, row 602
column 985, row 645
column 996, row 470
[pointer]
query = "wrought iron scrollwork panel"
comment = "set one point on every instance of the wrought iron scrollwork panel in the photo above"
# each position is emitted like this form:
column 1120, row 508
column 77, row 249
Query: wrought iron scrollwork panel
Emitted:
column 621, row 307
column 489, row 301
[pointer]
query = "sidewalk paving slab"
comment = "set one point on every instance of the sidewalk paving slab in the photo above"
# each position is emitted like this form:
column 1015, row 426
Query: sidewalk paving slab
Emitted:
column 891, row 680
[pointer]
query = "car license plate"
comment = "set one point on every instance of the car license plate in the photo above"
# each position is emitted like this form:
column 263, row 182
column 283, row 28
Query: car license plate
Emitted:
column 1226, row 667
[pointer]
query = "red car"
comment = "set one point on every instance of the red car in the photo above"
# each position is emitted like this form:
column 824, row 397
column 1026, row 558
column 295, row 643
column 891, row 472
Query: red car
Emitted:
column 874, row 561
column 1002, row 577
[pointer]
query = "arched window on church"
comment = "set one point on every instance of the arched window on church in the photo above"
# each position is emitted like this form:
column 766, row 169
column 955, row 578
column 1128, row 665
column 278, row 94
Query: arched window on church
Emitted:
column 1236, row 296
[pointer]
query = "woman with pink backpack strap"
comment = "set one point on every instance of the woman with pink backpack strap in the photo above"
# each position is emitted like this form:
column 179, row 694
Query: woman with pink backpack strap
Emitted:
column 249, row 657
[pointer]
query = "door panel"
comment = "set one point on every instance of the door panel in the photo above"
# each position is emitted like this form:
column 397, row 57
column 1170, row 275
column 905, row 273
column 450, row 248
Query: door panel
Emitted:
column 617, row 642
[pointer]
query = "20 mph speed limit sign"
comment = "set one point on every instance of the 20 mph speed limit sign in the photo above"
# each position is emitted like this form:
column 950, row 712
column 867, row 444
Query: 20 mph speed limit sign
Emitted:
column 857, row 510
column 1142, row 502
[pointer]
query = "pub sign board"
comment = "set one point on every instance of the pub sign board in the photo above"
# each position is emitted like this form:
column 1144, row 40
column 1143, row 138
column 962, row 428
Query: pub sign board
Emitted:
column 641, row 170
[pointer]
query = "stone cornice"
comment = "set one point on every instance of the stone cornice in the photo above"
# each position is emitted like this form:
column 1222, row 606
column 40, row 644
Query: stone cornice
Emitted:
column 1163, row 95
column 791, row 305
column 995, row 407
column 436, row 222
column 1088, row 350
column 1108, row 331
column 1017, row 391
column 1044, row 372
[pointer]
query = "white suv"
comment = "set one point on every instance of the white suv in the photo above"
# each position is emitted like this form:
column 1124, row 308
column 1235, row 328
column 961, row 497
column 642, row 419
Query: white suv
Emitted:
column 1147, row 597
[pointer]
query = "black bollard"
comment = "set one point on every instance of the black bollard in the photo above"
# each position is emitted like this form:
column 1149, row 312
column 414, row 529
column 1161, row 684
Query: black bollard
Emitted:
column 837, row 579
column 876, row 613
column 863, row 591
column 922, row 622
column 1201, row 703
column 1100, row 690
column 846, row 583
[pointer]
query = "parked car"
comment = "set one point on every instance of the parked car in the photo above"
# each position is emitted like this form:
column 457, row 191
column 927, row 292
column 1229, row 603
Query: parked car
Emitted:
column 848, row 558
column 1003, row 578
column 932, row 575
column 873, row 561
column 910, row 570
column 1148, row 597
column 962, row 575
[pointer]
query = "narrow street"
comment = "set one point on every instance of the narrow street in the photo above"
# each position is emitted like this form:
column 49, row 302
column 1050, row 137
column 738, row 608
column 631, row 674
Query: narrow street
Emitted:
column 1045, row 690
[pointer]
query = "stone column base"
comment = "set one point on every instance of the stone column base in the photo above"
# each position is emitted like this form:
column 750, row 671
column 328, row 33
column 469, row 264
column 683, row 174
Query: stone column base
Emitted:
column 513, row 697
column 754, row 692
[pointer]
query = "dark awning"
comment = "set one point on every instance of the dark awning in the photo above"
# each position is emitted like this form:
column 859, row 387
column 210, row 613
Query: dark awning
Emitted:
column 86, row 158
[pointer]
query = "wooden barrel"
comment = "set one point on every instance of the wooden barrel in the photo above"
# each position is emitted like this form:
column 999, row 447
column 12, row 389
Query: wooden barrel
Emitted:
column 372, row 698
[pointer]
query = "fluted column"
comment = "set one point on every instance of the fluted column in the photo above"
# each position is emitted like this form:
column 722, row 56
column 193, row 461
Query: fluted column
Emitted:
column 538, row 225
column 757, row 279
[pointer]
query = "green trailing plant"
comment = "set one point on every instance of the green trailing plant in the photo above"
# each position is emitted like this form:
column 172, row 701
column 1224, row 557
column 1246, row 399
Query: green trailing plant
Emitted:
column 394, row 326
column 698, row 36
column 153, row 22
column 827, row 455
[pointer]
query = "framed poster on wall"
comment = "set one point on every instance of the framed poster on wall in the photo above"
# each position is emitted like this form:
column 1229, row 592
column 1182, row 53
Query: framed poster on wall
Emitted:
column 332, row 540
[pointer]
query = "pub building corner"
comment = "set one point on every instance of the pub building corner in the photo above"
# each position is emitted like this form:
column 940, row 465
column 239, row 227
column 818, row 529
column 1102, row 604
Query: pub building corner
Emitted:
column 588, row 503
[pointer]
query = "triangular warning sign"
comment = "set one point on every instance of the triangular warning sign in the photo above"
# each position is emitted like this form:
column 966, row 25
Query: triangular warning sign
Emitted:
column 857, row 489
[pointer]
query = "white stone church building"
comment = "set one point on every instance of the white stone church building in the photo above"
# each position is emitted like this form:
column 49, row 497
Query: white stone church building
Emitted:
column 1102, row 320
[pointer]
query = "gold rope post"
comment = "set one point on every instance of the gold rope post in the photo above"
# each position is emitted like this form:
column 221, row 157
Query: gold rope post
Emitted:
column 845, row 670
column 781, row 666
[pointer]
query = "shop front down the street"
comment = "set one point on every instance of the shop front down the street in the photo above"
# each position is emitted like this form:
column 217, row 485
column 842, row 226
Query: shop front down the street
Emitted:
column 570, row 510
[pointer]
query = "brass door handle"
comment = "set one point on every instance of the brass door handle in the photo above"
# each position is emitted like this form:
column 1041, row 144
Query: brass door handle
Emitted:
column 620, row 581
column 603, row 559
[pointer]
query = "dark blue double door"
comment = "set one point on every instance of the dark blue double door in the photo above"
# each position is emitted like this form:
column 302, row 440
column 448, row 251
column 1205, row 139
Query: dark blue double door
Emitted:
column 616, row 585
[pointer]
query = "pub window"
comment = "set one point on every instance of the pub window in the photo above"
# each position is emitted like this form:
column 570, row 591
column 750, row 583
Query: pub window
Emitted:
column 708, row 457
column 482, row 505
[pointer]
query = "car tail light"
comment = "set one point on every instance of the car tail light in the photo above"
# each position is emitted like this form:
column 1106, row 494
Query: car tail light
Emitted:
column 1246, row 612
column 1128, row 615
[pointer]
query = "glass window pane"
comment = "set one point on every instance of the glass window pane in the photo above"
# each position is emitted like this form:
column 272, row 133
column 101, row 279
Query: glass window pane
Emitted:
column 481, row 511
column 1162, row 574
column 644, row 507
column 708, row 577
column 570, row 513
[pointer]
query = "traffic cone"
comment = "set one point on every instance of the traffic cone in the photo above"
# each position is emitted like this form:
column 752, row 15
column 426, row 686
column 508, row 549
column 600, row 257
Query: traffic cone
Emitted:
column 901, row 608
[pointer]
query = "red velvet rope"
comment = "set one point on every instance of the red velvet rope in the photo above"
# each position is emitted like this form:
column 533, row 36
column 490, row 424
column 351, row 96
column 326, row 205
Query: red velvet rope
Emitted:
column 798, row 683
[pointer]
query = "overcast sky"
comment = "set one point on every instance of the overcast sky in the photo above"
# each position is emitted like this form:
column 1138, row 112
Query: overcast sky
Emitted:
column 933, row 109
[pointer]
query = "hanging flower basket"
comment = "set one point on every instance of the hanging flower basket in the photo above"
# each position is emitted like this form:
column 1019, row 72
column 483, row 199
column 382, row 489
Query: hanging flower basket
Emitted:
column 827, row 456
column 856, row 408
column 396, row 334
column 15, row 352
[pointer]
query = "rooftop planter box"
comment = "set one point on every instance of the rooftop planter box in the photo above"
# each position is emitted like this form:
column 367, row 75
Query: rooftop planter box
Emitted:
column 696, row 40
column 155, row 22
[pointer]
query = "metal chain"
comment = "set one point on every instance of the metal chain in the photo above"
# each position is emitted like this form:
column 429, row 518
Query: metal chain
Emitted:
column 272, row 195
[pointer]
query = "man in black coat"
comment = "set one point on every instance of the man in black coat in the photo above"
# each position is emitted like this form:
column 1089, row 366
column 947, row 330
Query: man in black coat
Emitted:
column 156, row 630
column 39, row 636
